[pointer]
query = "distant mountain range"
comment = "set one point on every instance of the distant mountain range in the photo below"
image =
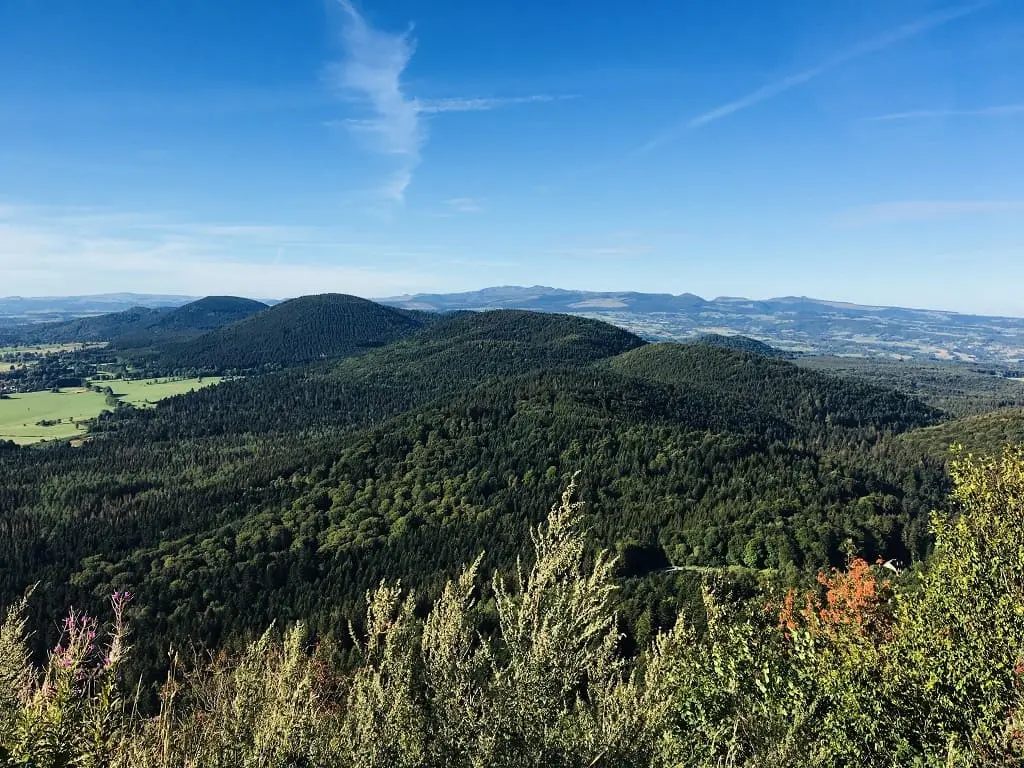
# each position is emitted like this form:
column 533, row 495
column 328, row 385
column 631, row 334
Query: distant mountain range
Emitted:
column 545, row 299
column 20, row 309
column 793, row 323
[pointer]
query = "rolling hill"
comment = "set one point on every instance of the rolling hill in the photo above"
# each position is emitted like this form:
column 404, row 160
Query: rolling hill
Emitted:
column 140, row 326
column 287, row 495
column 983, row 435
column 776, row 386
column 449, row 355
column 106, row 327
column 960, row 389
column 306, row 329
column 189, row 320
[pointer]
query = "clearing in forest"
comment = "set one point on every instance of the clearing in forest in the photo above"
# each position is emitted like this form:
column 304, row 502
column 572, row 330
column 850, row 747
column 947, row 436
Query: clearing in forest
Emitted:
column 32, row 417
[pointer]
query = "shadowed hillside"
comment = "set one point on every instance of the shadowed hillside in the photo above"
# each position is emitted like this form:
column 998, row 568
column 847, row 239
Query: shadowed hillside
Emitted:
column 141, row 326
column 450, row 355
column 301, row 330
column 87, row 329
column 190, row 320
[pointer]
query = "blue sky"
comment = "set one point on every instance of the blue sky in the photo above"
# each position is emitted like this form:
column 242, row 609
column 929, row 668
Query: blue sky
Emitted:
column 860, row 150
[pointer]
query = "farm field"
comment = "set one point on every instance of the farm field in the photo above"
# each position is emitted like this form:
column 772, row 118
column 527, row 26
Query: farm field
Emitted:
column 147, row 392
column 65, row 413
column 21, row 413
column 49, row 349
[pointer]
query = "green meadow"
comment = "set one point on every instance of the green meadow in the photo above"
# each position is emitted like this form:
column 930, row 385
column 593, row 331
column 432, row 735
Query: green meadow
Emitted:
column 34, row 417
column 49, row 349
column 147, row 392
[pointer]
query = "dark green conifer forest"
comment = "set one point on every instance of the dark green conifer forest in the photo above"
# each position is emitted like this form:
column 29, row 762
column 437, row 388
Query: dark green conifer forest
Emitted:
column 362, row 445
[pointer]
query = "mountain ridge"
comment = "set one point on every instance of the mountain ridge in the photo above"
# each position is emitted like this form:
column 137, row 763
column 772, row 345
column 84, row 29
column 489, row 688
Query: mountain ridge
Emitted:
column 789, row 323
column 512, row 293
column 116, row 301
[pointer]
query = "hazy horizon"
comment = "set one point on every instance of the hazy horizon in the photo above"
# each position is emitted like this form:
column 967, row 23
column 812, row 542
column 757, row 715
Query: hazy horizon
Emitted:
column 863, row 152
column 277, row 299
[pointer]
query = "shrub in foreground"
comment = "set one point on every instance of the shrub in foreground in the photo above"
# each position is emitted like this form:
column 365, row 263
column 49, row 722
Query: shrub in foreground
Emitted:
column 926, row 670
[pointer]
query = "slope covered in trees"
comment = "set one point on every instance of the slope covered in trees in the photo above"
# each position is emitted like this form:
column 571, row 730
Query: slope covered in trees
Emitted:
column 787, row 390
column 301, row 330
column 982, row 435
column 740, row 343
column 449, row 355
column 189, row 320
column 86, row 329
column 289, row 495
column 528, row 668
column 140, row 326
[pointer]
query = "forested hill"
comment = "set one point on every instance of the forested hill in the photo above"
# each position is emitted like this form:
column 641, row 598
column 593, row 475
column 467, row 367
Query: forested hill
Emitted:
column 777, row 387
column 309, row 328
column 983, row 435
column 286, row 496
column 189, row 320
column 449, row 355
column 85, row 329
column 140, row 326
column 741, row 343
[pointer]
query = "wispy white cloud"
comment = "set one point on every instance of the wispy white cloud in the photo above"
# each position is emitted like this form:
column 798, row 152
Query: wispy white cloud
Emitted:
column 372, row 73
column 901, row 211
column 778, row 87
column 483, row 104
column 89, row 221
column 1003, row 110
